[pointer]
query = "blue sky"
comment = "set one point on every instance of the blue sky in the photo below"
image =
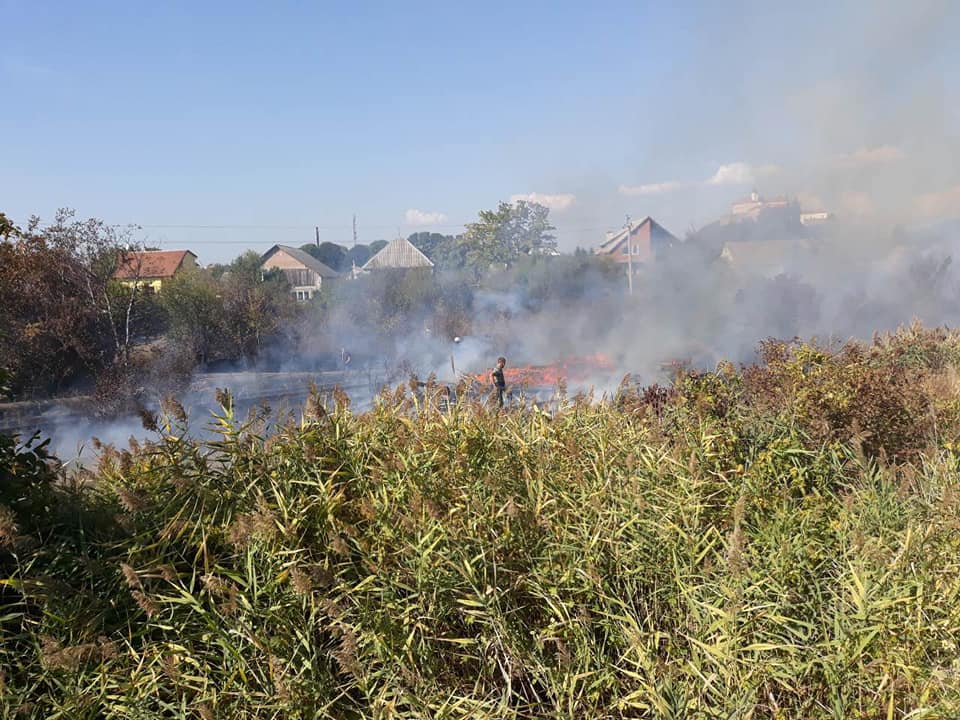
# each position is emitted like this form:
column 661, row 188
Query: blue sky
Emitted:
column 273, row 118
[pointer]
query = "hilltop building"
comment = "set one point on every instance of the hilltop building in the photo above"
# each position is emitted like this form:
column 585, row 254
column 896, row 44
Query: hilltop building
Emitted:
column 752, row 206
column 764, row 236
column 755, row 206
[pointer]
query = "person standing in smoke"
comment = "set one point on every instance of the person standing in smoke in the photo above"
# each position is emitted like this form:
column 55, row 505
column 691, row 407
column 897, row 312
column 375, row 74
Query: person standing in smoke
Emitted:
column 496, row 377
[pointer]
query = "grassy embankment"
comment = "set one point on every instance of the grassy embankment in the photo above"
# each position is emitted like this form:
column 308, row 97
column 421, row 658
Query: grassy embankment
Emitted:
column 779, row 542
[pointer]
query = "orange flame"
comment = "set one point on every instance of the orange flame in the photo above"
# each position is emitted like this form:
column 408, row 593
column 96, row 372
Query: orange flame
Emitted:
column 572, row 369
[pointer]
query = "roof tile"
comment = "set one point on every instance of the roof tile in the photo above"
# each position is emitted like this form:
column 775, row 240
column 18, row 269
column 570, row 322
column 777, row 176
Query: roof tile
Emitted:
column 149, row 265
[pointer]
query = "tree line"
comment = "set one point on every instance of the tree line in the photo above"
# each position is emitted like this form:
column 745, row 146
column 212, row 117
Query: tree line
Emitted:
column 498, row 238
column 66, row 325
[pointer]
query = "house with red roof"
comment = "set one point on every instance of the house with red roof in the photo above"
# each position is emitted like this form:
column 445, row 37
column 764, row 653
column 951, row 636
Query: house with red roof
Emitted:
column 149, row 269
column 648, row 240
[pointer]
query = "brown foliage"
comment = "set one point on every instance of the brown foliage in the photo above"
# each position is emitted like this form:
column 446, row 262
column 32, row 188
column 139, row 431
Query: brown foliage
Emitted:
column 48, row 335
column 860, row 393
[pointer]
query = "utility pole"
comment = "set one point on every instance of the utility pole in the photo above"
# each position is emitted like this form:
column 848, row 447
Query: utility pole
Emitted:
column 453, row 367
column 354, row 228
column 629, row 227
column 316, row 230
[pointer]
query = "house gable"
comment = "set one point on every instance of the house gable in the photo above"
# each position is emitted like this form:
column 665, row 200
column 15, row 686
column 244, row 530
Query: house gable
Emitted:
column 303, row 271
column 398, row 254
column 647, row 240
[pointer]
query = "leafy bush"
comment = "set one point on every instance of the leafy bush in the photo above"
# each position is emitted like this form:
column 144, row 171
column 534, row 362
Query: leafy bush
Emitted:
column 718, row 549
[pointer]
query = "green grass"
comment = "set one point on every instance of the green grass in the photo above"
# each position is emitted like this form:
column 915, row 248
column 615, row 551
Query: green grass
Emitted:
column 744, row 547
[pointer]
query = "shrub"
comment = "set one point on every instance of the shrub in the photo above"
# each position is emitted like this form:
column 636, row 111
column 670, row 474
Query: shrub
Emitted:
column 698, row 551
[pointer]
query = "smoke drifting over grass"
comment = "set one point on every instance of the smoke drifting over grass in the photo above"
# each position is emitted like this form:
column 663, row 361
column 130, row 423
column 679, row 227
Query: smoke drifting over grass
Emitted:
column 852, row 110
column 693, row 305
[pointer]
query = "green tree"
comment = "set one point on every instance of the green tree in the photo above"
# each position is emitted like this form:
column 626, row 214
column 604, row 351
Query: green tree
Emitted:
column 125, row 313
column 428, row 243
column 194, row 308
column 446, row 251
column 360, row 253
column 330, row 254
column 255, row 308
column 510, row 232
column 245, row 266
column 529, row 231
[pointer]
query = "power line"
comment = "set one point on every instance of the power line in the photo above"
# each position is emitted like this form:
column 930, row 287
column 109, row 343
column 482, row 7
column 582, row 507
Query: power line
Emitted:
column 186, row 226
column 272, row 241
column 236, row 242
column 351, row 228
column 322, row 227
column 264, row 227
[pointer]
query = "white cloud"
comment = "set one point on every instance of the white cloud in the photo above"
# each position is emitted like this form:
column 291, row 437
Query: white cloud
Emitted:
column 650, row 189
column 736, row 173
column 560, row 201
column 741, row 173
column 419, row 217
column 880, row 155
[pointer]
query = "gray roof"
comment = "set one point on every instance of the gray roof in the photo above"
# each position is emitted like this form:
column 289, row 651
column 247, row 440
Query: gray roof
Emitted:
column 399, row 253
column 304, row 258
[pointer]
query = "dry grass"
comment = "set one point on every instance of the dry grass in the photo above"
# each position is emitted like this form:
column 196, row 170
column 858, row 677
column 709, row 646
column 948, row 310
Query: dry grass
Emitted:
column 718, row 550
